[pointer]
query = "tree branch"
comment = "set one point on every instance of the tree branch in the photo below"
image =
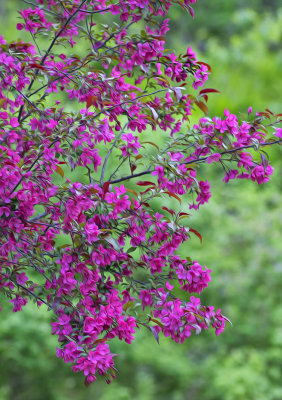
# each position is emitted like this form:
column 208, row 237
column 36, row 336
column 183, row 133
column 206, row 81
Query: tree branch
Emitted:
column 39, row 216
column 27, row 290
column 149, row 170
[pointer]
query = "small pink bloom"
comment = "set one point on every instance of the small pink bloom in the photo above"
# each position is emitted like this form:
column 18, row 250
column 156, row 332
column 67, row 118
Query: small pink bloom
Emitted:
column 278, row 132
column 213, row 158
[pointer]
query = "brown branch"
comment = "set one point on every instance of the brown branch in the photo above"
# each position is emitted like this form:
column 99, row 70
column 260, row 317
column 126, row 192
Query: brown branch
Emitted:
column 27, row 290
column 197, row 160
column 37, row 217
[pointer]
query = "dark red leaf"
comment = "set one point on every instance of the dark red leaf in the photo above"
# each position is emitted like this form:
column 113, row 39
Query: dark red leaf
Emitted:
column 204, row 91
column 60, row 171
column 169, row 210
column 202, row 106
column 145, row 183
column 106, row 188
column 153, row 144
column 173, row 195
column 264, row 114
column 91, row 100
column 133, row 167
column 147, row 190
column 38, row 66
column 132, row 191
column 207, row 65
column 196, row 233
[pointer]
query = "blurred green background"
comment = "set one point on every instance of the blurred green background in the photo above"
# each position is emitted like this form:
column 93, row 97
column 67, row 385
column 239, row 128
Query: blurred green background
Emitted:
column 242, row 235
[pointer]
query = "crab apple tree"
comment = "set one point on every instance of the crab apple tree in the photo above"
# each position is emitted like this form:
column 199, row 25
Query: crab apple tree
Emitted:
column 81, row 105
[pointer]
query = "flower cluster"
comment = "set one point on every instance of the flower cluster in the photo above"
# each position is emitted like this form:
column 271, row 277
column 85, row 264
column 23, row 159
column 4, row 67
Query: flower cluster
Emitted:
column 80, row 232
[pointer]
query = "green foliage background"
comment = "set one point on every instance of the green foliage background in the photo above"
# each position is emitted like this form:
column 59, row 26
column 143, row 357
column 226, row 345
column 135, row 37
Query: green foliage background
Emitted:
column 242, row 234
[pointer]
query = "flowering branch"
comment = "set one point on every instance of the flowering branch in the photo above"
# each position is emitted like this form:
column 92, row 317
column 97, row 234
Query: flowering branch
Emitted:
column 92, row 239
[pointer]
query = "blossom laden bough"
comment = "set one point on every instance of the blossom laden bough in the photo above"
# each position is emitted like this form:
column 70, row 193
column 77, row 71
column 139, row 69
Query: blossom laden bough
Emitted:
column 118, row 268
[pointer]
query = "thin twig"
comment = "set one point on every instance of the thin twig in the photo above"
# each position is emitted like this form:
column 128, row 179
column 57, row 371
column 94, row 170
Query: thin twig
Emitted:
column 32, row 165
column 126, row 102
column 125, row 178
column 29, row 101
column 39, row 216
column 32, row 263
column 50, row 48
column 27, row 290
column 109, row 153
column 34, row 295
column 114, row 34
column 117, row 168
column 90, row 35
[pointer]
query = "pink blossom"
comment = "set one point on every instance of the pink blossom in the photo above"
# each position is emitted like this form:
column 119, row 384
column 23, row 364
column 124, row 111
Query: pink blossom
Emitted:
column 213, row 158
column 261, row 174
column 278, row 132
column 22, row 278
column 146, row 297
column 92, row 232
column 19, row 302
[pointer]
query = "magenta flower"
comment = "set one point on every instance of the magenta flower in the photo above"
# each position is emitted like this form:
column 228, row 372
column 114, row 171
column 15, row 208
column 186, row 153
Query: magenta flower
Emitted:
column 261, row 174
column 147, row 299
column 19, row 302
column 278, row 132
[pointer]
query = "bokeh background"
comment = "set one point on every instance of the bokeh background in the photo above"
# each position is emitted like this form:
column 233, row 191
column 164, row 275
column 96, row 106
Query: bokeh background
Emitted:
column 242, row 243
